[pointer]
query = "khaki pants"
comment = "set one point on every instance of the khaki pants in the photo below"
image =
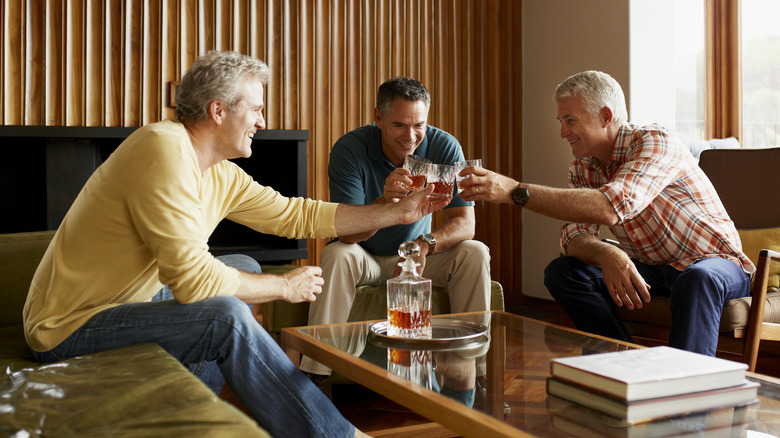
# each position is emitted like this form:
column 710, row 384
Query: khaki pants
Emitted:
column 464, row 270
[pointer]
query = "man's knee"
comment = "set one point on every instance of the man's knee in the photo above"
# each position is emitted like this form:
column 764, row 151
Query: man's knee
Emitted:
column 554, row 272
column 708, row 277
column 241, row 262
column 698, row 285
column 229, row 306
column 338, row 255
column 473, row 251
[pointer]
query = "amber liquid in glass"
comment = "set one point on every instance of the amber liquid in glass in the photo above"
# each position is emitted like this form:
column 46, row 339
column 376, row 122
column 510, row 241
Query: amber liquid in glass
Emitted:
column 443, row 189
column 405, row 320
column 417, row 181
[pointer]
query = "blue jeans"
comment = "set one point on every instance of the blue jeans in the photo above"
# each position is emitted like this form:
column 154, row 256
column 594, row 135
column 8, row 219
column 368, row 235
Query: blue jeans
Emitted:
column 696, row 295
column 223, row 330
column 208, row 371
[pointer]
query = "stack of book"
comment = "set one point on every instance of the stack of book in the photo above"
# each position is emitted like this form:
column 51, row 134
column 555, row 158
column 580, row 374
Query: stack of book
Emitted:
column 650, row 383
column 581, row 422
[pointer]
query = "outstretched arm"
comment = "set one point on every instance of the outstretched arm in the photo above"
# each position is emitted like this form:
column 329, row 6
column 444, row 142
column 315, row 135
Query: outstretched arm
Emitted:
column 354, row 219
column 572, row 205
column 393, row 192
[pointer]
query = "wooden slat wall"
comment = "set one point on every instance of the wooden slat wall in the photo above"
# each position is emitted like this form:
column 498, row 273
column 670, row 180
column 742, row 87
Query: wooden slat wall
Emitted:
column 110, row 62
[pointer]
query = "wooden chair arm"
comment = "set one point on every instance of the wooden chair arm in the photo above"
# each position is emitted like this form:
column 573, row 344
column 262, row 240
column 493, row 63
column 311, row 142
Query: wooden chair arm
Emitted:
column 757, row 303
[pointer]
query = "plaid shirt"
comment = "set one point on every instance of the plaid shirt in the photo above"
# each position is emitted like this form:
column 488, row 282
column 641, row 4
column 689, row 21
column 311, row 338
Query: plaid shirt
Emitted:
column 669, row 212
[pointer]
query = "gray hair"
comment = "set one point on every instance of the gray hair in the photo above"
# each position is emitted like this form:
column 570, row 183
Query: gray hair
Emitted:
column 597, row 90
column 403, row 87
column 216, row 76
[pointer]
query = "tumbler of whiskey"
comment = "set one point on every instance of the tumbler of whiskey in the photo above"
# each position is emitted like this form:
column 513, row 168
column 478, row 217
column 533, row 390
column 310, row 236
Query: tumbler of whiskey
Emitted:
column 459, row 166
column 442, row 176
column 419, row 167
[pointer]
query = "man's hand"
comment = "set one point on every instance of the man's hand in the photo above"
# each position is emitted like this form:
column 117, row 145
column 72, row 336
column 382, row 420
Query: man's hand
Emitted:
column 626, row 286
column 394, row 189
column 303, row 284
column 486, row 185
column 418, row 204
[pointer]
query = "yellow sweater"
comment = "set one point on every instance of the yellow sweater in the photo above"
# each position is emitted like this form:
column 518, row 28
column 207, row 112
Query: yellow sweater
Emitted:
column 142, row 220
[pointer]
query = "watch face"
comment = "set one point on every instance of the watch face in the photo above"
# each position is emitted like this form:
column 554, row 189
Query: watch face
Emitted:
column 520, row 196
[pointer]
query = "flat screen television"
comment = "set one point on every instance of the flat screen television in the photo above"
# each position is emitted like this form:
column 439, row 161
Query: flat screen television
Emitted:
column 44, row 168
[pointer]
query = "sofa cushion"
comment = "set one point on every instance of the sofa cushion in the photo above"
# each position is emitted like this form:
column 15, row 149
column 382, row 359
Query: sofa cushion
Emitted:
column 735, row 312
column 734, row 317
column 20, row 254
column 135, row 391
column 753, row 241
column 15, row 354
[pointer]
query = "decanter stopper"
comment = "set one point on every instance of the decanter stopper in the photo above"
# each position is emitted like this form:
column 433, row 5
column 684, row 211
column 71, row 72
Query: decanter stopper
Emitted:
column 409, row 250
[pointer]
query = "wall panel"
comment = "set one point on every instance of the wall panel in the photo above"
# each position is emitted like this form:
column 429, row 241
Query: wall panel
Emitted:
column 110, row 63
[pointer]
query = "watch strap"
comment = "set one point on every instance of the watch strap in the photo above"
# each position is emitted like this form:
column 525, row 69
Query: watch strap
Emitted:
column 430, row 240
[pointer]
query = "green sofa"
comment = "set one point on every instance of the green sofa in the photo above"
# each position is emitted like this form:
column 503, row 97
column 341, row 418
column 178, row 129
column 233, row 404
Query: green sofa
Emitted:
column 135, row 391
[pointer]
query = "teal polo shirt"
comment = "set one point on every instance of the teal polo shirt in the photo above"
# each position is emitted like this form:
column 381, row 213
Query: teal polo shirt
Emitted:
column 358, row 169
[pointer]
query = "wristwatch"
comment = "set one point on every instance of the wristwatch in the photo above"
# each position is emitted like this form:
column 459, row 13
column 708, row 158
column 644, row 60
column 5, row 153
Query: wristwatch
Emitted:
column 430, row 240
column 520, row 195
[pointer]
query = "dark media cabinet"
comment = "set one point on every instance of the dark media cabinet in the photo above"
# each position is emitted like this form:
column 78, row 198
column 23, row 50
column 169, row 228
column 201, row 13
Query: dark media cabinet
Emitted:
column 43, row 168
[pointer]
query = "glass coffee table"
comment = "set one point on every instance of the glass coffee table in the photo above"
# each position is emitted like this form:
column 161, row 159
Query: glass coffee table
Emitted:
column 485, row 376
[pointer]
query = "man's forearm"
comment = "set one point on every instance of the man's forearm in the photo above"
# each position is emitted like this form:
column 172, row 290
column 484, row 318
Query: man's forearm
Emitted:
column 456, row 229
column 574, row 205
column 298, row 285
column 260, row 288
column 588, row 249
column 361, row 237
column 357, row 220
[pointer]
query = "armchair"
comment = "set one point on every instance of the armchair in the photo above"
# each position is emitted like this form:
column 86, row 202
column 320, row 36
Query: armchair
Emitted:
column 742, row 178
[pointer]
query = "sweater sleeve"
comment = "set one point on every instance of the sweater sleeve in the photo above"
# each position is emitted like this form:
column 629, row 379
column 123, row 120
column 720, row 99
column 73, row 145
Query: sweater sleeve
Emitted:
column 265, row 210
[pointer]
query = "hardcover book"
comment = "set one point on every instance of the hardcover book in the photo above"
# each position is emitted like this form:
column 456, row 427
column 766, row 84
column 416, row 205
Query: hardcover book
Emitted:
column 581, row 422
column 648, row 373
column 651, row 409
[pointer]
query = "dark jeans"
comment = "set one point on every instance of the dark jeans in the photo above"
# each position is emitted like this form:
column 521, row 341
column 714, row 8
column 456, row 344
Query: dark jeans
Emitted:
column 696, row 295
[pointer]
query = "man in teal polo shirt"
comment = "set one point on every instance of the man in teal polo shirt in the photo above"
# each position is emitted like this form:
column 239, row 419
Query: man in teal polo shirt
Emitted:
column 365, row 168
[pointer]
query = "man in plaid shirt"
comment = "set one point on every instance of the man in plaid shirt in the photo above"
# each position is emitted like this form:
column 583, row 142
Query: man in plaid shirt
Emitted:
column 676, row 239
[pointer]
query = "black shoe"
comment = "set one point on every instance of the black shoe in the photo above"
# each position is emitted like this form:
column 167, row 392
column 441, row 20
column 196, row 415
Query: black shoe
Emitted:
column 480, row 396
column 316, row 378
column 322, row 382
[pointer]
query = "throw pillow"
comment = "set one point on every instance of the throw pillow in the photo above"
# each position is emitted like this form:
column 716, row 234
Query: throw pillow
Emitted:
column 753, row 241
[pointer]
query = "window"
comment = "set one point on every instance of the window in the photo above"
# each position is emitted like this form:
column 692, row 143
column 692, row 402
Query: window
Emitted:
column 760, row 75
column 690, row 68
column 727, row 70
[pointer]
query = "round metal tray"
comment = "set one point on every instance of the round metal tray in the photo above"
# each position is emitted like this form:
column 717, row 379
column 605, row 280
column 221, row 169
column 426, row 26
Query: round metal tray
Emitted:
column 447, row 334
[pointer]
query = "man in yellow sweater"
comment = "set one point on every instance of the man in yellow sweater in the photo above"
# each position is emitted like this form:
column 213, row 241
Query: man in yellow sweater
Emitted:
column 143, row 221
